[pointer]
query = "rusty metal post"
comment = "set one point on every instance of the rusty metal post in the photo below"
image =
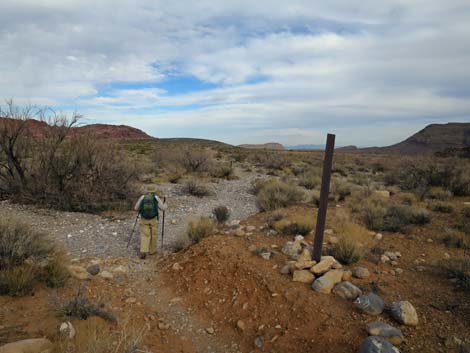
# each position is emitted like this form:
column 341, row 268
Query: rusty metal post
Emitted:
column 324, row 192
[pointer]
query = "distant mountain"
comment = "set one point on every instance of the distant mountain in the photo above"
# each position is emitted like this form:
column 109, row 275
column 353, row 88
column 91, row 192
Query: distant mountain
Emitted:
column 433, row 138
column 305, row 147
column 264, row 146
column 37, row 128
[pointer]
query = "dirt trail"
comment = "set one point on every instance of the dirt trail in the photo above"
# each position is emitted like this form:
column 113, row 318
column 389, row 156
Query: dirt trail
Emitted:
column 85, row 235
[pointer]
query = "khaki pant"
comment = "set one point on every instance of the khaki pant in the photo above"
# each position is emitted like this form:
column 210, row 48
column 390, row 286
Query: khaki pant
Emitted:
column 148, row 235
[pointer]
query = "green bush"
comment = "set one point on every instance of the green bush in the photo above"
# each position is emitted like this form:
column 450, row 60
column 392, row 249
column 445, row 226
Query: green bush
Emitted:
column 463, row 220
column 302, row 225
column 456, row 240
column 274, row 194
column 27, row 257
column 199, row 229
column 346, row 251
column 310, row 180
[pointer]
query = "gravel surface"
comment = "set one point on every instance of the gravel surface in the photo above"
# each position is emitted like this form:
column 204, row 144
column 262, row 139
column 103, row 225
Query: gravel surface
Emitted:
column 86, row 235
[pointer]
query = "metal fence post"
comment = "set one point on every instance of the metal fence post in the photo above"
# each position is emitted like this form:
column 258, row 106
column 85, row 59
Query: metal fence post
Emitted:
column 324, row 192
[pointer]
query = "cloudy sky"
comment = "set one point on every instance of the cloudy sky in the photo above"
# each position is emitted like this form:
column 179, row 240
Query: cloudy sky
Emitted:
column 241, row 71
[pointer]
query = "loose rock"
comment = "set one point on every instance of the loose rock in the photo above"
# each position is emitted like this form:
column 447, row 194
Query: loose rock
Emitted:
column 375, row 344
column 361, row 272
column 93, row 269
column 106, row 275
column 390, row 333
column 347, row 290
column 370, row 303
column 324, row 265
column 404, row 312
column 303, row 276
column 33, row 345
column 346, row 275
column 325, row 283
column 66, row 329
column 78, row 272
column 241, row 325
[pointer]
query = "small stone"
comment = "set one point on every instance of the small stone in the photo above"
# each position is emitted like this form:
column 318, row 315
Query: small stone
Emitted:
column 376, row 344
column 162, row 326
column 176, row 267
column 303, row 276
column 370, row 303
column 405, row 313
column 361, row 272
column 120, row 270
column 390, row 333
column 131, row 300
column 398, row 271
column 241, row 325
column 258, row 342
column 394, row 263
column 446, row 255
column 347, row 290
column 266, row 255
column 210, row 330
column 106, row 275
column 250, row 228
column 252, row 248
column 78, row 272
column 391, row 255
column 93, row 269
column 173, row 221
column 240, row 233
column 66, row 329
column 288, row 268
column 378, row 236
column 292, row 249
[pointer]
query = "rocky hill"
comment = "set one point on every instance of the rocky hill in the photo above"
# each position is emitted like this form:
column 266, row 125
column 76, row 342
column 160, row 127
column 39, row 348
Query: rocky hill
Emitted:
column 433, row 138
column 264, row 146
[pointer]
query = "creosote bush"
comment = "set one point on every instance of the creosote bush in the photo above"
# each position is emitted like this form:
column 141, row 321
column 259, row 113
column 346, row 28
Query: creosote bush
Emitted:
column 458, row 268
column 80, row 307
column 441, row 206
column 221, row 214
column 199, row 229
column 28, row 257
column 196, row 187
column 273, row 194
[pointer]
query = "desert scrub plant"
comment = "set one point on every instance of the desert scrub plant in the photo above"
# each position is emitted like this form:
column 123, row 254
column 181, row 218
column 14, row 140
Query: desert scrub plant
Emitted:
column 458, row 268
column 27, row 257
column 463, row 220
column 296, row 225
column 276, row 216
column 199, row 229
column 221, row 214
column 441, row 206
column 195, row 187
column 346, row 251
column 438, row 193
column 80, row 307
column 310, row 180
column 222, row 171
column 274, row 194
column 455, row 239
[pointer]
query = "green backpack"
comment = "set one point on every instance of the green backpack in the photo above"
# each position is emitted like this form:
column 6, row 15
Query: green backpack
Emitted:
column 149, row 207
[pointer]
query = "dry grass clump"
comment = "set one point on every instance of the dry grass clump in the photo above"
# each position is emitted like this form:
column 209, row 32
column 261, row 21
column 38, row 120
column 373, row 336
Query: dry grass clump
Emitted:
column 458, row 268
column 196, row 187
column 273, row 194
column 28, row 257
column 80, row 307
column 221, row 214
column 199, row 229
column 346, row 251
column 455, row 239
column 296, row 225
column 463, row 220
column 222, row 171
column 310, row 179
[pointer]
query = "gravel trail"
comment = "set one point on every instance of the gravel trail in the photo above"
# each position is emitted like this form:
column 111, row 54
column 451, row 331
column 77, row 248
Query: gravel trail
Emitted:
column 86, row 235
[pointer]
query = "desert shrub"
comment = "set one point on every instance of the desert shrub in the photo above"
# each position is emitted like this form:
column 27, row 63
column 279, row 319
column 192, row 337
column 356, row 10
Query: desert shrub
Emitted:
column 27, row 257
column 315, row 198
column 221, row 214
column 299, row 168
column 378, row 215
column 310, row 180
column 274, row 194
column 455, row 239
column 302, row 225
column 270, row 160
column 438, row 193
column 346, row 251
column 339, row 189
column 441, row 206
column 275, row 217
column 458, row 268
column 80, row 307
column 222, row 171
column 174, row 172
column 60, row 169
column 196, row 159
column 463, row 220
column 199, row 229
column 195, row 187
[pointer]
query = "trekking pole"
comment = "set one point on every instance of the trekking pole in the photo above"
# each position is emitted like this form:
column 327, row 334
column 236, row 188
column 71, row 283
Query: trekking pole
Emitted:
column 133, row 229
column 163, row 221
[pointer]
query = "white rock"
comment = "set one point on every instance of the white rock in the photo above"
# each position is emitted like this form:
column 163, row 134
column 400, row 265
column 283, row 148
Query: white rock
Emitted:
column 66, row 329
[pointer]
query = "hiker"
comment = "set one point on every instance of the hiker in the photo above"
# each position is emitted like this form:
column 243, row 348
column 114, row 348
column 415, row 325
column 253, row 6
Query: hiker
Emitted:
column 148, row 206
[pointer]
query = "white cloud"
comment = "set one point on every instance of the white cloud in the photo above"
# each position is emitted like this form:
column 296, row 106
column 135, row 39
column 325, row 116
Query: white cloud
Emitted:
column 323, row 65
